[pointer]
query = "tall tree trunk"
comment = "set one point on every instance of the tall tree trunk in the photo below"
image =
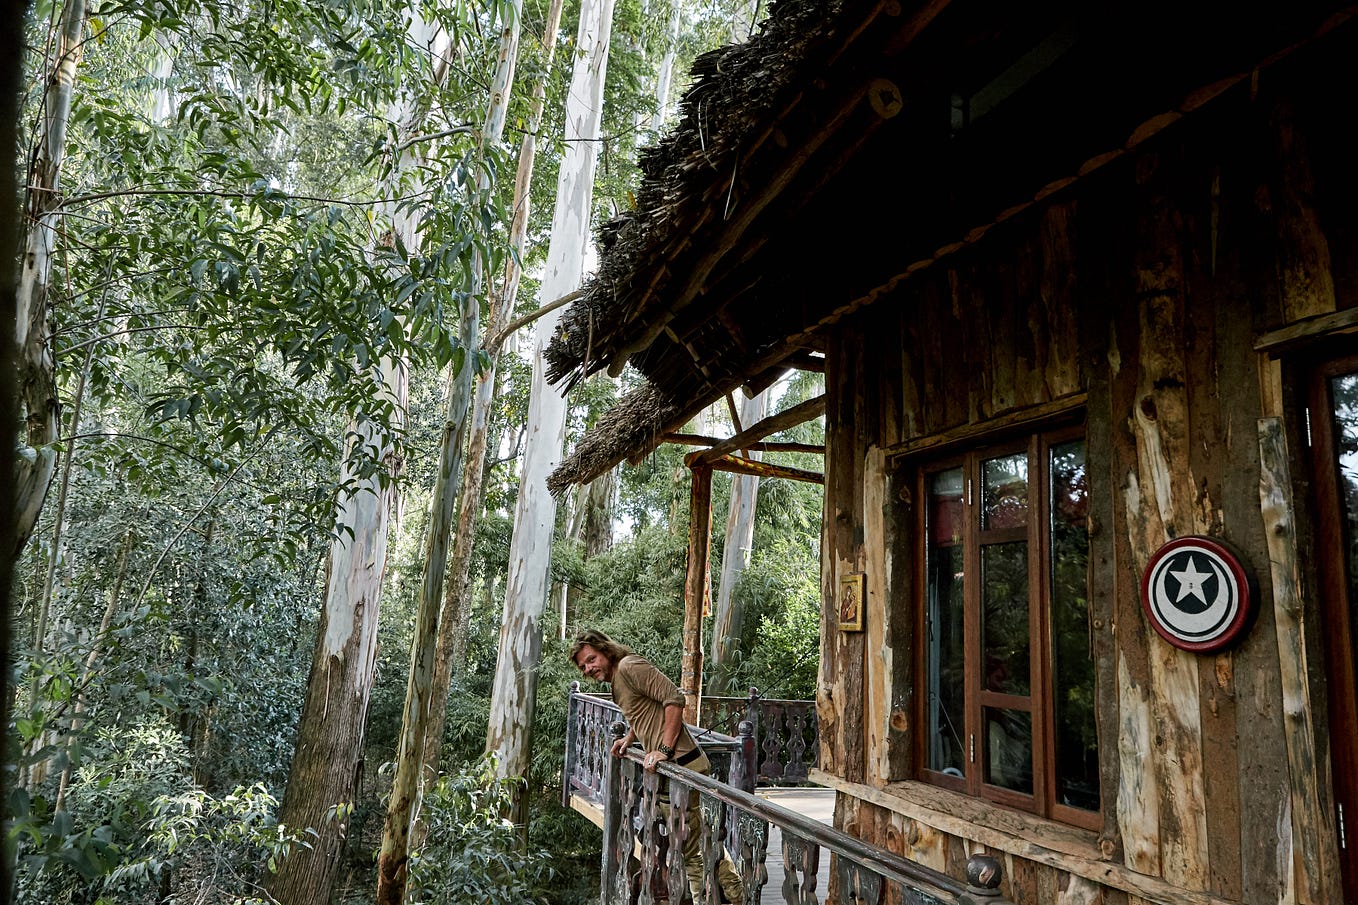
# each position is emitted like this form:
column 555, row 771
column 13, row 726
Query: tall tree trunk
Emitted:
column 597, row 523
column 326, row 770
column 455, row 618
column 665, row 74
column 11, row 77
column 37, row 367
column 728, row 620
column 407, row 784
column 514, row 693
column 38, row 772
column 323, row 781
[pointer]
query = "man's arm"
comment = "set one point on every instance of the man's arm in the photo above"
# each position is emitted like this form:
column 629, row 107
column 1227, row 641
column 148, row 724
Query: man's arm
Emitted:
column 674, row 724
column 669, row 737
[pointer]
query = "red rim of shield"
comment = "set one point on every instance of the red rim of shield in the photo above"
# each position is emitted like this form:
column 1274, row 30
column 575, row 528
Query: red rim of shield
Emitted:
column 1235, row 624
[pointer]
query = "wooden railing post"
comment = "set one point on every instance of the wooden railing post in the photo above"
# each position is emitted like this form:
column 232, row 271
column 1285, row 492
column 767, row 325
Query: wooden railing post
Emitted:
column 614, row 862
column 744, row 763
column 752, row 714
column 983, row 882
column 572, row 744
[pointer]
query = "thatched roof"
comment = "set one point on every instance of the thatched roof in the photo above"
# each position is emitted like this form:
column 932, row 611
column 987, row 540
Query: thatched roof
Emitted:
column 650, row 273
column 850, row 144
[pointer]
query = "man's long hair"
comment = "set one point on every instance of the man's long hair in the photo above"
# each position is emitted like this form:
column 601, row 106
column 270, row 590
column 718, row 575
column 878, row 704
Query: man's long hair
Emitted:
column 600, row 642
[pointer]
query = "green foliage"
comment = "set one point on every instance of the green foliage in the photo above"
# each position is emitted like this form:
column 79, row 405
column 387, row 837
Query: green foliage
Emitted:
column 226, row 262
column 472, row 854
column 782, row 587
column 133, row 817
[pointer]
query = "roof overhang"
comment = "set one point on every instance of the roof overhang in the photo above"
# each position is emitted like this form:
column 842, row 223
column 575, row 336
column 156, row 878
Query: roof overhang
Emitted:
column 852, row 143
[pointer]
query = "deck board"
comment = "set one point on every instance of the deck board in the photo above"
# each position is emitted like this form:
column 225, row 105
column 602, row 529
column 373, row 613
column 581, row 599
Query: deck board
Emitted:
column 815, row 802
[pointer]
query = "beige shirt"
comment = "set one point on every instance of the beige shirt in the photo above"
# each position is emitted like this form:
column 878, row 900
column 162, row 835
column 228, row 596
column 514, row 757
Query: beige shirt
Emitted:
column 642, row 691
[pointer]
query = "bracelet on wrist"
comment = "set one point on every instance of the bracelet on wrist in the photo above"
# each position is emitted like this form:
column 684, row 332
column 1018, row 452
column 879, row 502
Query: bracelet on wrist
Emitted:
column 666, row 750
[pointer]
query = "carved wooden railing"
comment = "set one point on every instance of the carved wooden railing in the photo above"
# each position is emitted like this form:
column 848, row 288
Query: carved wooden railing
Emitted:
column 785, row 744
column 589, row 722
column 784, row 733
column 866, row 875
column 639, row 866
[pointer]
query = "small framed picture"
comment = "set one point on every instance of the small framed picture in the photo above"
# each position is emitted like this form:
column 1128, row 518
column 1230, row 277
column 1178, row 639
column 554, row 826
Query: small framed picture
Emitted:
column 850, row 605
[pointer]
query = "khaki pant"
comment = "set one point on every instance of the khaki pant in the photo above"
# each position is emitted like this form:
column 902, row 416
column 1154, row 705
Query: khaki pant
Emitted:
column 727, row 876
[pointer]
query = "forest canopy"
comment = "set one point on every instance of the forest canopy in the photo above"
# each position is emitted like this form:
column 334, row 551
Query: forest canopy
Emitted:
column 261, row 248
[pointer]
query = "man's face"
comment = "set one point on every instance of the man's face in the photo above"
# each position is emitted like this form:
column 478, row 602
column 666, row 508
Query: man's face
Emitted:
column 594, row 664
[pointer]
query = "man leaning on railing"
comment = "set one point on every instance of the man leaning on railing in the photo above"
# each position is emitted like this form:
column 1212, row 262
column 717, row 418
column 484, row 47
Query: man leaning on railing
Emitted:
column 654, row 708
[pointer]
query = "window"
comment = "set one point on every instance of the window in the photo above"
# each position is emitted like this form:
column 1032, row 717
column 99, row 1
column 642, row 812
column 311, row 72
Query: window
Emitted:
column 1006, row 661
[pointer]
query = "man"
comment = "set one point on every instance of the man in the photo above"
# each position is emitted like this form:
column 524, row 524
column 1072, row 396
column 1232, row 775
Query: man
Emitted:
column 654, row 709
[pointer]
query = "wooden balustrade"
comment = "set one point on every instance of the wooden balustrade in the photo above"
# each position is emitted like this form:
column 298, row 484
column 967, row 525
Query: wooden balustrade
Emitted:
column 784, row 732
column 866, row 875
column 641, row 867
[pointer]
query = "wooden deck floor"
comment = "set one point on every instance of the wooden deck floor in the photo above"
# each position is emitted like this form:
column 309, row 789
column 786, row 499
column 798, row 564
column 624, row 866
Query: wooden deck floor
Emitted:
column 815, row 802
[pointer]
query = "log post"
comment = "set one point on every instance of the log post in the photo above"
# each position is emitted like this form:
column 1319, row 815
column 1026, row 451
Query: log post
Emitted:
column 695, row 586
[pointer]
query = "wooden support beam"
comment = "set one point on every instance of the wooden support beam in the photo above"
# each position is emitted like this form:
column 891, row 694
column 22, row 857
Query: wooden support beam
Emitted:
column 811, row 408
column 735, row 413
column 739, row 465
column 761, row 446
column 695, row 588
column 1278, row 342
column 803, row 360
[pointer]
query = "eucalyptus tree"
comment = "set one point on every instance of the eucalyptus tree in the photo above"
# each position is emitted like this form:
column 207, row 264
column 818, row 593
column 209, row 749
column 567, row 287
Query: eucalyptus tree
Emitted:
column 240, row 314
column 455, row 616
column 403, row 802
column 331, row 731
column 10, row 77
column 513, row 696
column 728, row 613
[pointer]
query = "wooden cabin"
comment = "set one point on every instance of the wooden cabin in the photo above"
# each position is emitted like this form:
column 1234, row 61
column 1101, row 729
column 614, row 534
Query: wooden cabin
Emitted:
column 1083, row 279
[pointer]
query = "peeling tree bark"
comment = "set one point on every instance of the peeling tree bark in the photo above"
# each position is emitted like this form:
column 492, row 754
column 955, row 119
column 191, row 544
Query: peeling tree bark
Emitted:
column 728, row 613
column 407, row 784
column 455, row 617
column 324, row 778
column 513, row 695
column 41, row 409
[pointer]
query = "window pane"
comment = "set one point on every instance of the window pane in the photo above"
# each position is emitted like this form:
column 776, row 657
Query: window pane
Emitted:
column 1076, row 739
column 1004, row 617
column 1344, row 392
column 945, row 507
column 1004, row 492
column 1009, row 749
column 945, row 661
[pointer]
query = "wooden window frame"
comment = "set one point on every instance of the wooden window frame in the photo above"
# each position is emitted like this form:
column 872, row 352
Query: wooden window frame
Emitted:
column 1036, row 442
column 1334, row 600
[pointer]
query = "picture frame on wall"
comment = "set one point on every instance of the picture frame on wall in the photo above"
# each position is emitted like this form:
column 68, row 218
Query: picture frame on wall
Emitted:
column 852, row 589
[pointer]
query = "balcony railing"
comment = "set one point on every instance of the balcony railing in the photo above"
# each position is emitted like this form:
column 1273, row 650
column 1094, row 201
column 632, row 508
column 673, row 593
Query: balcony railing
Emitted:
column 784, row 733
column 640, row 867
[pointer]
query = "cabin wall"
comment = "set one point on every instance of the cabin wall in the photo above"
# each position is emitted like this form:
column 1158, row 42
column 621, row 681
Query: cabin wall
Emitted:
column 1134, row 297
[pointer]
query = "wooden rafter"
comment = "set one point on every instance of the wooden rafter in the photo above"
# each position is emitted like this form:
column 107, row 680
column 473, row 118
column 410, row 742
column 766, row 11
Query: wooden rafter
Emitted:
column 761, row 446
column 811, row 408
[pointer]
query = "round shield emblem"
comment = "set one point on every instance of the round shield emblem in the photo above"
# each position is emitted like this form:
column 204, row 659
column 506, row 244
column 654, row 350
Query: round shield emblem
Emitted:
column 1196, row 594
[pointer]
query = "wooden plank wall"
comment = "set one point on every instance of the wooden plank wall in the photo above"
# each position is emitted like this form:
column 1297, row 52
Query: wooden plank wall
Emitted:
column 1143, row 288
